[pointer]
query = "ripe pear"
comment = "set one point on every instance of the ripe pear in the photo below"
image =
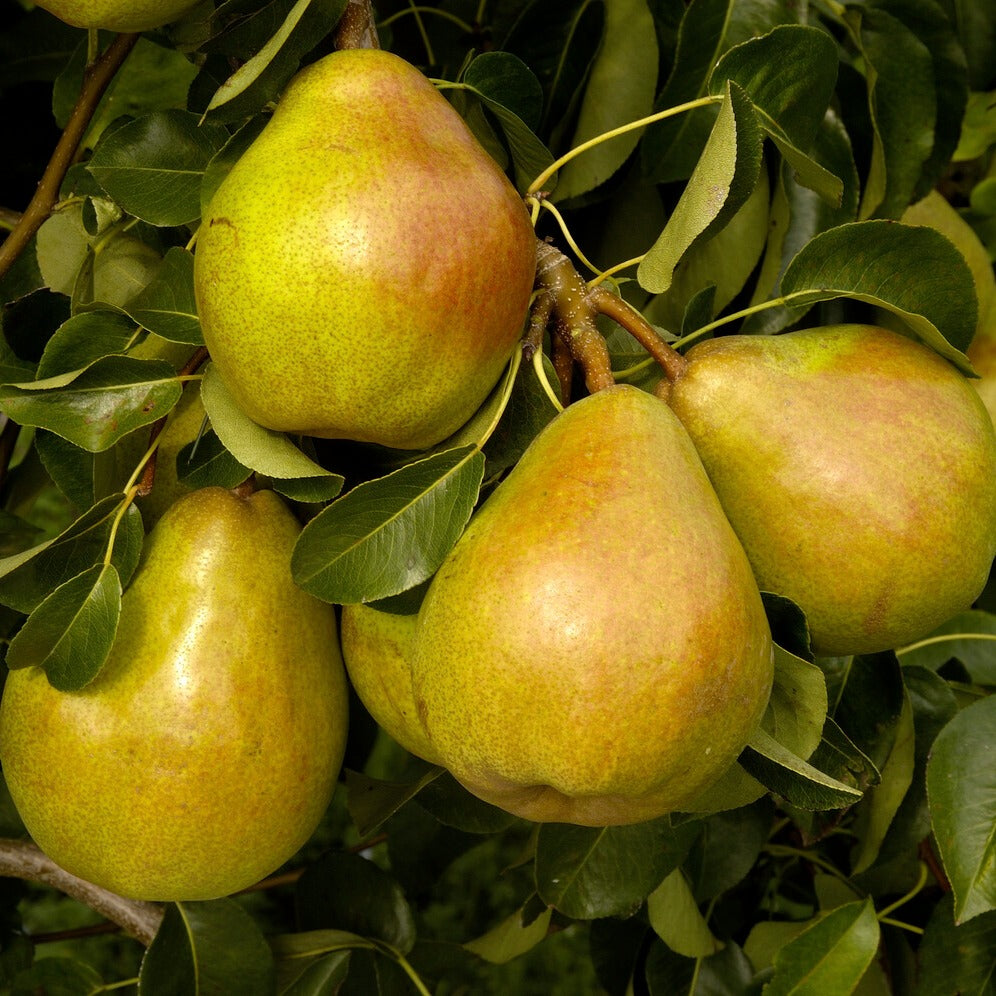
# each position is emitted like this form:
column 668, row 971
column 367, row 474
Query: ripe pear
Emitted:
column 377, row 648
column 594, row 649
column 365, row 269
column 118, row 15
column 206, row 750
column 858, row 468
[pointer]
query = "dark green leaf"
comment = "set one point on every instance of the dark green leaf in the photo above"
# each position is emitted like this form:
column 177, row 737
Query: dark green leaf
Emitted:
column 71, row 633
column 16, row 534
column 27, row 578
column 310, row 489
column 97, row 407
column 970, row 637
column 84, row 339
column 451, row 804
column 153, row 166
column 321, row 975
column 588, row 872
column 961, row 788
column 207, row 949
column 204, row 462
column 867, row 700
column 372, row 802
column 971, row 971
column 912, row 271
column 387, row 535
column 167, row 306
column 505, row 79
column 57, row 976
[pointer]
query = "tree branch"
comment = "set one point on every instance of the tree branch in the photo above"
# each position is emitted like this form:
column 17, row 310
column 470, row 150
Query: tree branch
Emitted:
column 21, row 859
column 95, row 82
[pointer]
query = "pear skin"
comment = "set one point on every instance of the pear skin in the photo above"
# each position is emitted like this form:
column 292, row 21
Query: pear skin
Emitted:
column 377, row 649
column 206, row 750
column 118, row 15
column 365, row 269
column 594, row 649
column 858, row 468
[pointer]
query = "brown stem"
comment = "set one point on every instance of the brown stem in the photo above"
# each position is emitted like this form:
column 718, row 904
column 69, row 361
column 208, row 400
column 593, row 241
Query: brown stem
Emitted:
column 356, row 27
column 148, row 478
column 563, row 365
column 622, row 313
column 21, row 859
column 95, row 82
column 930, row 860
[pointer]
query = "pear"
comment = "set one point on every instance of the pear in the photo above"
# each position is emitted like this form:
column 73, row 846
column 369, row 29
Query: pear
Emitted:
column 118, row 15
column 365, row 269
column 377, row 648
column 594, row 649
column 858, row 468
column 206, row 750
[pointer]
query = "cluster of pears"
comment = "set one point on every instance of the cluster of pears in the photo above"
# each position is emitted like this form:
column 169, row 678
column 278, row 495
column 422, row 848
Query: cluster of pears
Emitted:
column 206, row 750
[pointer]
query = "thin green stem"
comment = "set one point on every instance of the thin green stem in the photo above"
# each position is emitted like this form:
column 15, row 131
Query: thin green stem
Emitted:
column 568, row 237
column 537, row 185
column 735, row 316
column 921, row 882
column 784, row 851
column 445, row 14
column 544, row 381
column 944, row 638
column 107, row 987
column 899, row 923
column 429, row 53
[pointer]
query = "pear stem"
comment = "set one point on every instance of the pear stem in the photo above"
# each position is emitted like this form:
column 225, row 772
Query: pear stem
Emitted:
column 95, row 82
column 357, row 28
column 21, row 859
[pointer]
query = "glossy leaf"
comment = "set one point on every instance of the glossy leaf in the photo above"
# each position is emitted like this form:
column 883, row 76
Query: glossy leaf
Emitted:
column 271, row 453
column 387, row 535
column 204, row 462
column 961, row 788
column 84, row 339
column 72, row 631
column 153, row 166
column 972, row 971
column 505, row 79
column 167, row 306
column 677, row 920
column 95, row 408
column 450, row 803
column 912, row 271
column 830, row 956
column 321, row 975
column 588, row 872
column 209, row 948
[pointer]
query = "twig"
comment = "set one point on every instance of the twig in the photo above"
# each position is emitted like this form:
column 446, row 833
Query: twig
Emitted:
column 21, row 859
column 95, row 82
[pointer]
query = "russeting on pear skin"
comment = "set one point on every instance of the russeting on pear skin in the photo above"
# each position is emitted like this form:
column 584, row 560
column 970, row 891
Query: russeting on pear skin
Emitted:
column 594, row 649
column 858, row 468
column 206, row 750
column 118, row 15
column 365, row 269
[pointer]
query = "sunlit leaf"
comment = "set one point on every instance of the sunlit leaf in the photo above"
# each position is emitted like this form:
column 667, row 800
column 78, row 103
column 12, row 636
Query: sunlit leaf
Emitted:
column 167, row 306
column 512, row 937
column 677, row 920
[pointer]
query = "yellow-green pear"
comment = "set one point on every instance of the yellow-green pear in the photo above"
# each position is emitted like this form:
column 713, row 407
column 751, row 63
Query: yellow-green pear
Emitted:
column 206, row 750
column 858, row 468
column 594, row 649
column 365, row 269
column 118, row 15
column 377, row 649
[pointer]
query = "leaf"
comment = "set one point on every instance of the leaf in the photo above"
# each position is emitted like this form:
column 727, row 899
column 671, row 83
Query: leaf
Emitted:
column 153, row 166
column 387, row 535
column 309, row 489
column 209, row 948
column 972, row 971
column 797, row 708
column 82, row 340
column 505, row 79
column 588, row 872
column 792, row 777
column 449, row 802
column 512, row 937
column 204, row 462
column 166, row 306
column 970, row 637
column 721, row 183
column 268, row 452
column 620, row 89
column 347, row 892
column 318, row 976
column 912, row 271
column 27, row 578
column 57, row 976
column 830, row 956
column 72, row 631
column 98, row 406
column 372, row 802
column 677, row 921
column 961, row 790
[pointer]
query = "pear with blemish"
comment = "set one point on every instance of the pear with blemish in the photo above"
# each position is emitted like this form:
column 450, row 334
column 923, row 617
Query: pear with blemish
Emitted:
column 206, row 750
column 594, row 649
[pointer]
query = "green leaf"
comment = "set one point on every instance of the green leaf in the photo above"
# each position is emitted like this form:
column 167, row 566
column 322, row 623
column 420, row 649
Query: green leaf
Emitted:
column 505, row 79
column 209, row 948
column 204, row 463
column 167, row 306
column 71, row 633
column 27, row 578
column 620, row 89
column 345, row 891
column 969, row 637
column 792, row 777
column 677, row 920
column 153, row 166
column 387, row 535
column 512, row 937
column 372, row 802
column 797, row 708
column 449, row 802
column 972, row 970
column 57, row 976
column 961, row 789
column 316, row 976
column 271, row 453
column 82, row 340
column 830, row 956
column 721, row 183
column 588, row 872
column 98, row 406
column 309, row 489
column 912, row 271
